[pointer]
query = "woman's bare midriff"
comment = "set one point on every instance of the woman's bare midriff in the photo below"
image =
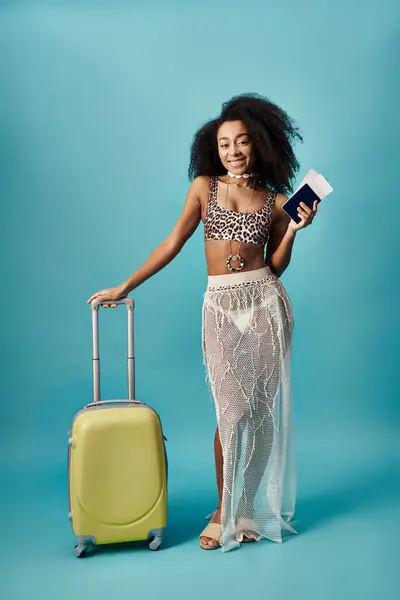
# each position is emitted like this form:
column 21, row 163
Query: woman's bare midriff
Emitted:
column 217, row 251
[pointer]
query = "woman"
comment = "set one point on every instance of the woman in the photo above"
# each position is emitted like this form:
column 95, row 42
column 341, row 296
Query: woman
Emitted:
column 242, row 165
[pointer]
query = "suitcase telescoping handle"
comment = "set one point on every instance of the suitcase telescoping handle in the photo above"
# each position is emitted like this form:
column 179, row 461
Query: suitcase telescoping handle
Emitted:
column 95, row 304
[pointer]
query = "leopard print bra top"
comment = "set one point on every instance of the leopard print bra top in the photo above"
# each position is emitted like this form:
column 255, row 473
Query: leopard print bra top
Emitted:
column 225, row 224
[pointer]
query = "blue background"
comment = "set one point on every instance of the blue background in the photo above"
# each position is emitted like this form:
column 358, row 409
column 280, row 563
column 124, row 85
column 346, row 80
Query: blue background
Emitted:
column 99, row 106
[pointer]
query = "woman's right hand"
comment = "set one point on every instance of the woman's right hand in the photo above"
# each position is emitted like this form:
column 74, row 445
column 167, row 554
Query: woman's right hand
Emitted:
column 115, row 293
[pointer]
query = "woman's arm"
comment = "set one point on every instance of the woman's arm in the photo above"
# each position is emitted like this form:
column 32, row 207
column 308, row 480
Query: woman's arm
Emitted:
column 281, row 239
column 283, row 233
column 185, row 226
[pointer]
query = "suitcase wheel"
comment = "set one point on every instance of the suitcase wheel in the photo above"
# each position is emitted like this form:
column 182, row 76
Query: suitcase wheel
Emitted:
column 80, row 550
column 155, row 543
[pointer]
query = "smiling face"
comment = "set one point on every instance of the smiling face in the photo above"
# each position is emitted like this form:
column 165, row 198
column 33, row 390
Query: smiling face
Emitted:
column 235, row 148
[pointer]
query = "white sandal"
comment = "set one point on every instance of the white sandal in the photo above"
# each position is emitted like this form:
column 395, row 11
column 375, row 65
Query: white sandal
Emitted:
column 213, row 532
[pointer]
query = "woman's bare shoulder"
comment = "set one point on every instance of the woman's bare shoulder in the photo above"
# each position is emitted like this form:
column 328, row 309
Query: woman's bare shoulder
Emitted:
column 279, row 200
column 201, row 186
column 202, row 182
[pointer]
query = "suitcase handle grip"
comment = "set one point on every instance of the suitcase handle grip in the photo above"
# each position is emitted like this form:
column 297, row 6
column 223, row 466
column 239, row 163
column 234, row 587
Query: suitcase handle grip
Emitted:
column 127, row 301
column 130, row 305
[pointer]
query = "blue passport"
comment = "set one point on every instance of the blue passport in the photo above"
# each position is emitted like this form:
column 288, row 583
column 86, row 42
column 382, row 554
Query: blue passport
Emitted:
column 304, row 194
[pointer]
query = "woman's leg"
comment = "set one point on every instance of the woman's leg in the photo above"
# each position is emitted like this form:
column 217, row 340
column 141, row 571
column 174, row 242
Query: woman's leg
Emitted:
column 258, row 451
column 226, row 368
column 270, row 347
column 219, row 470
column 219, row 466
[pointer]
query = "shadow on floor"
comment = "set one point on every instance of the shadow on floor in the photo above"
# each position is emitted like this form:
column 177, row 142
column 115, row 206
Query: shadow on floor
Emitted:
column 187, row 509
column 187, row 516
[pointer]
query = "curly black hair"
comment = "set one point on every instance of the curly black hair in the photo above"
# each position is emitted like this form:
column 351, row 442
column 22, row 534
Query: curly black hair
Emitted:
column 272, row 132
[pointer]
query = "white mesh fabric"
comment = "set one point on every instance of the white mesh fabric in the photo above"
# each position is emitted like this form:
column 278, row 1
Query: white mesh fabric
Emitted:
column 247, row 334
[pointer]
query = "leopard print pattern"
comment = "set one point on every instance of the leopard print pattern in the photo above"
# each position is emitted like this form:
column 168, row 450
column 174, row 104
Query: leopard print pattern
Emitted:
column 225, row 224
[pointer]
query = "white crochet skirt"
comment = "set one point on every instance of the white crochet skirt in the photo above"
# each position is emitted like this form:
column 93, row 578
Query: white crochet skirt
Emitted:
column 247, row 333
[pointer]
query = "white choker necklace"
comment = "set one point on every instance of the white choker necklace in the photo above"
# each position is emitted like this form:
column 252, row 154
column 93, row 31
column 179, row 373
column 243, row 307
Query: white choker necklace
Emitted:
column 245, row 175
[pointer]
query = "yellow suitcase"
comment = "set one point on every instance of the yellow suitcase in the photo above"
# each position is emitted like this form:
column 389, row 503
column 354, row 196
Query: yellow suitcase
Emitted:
column 117, row 464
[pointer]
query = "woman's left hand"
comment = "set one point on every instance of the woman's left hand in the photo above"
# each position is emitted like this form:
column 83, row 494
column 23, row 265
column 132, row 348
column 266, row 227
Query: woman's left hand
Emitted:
column 306, row 214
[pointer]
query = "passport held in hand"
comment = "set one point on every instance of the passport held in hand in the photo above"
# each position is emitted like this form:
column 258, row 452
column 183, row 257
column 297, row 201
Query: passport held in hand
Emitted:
column 313, row 187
